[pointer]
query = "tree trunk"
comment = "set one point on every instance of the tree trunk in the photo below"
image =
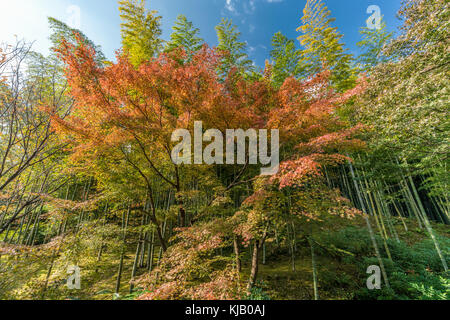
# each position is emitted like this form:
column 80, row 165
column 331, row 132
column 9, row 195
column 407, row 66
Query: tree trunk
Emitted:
column 255, row 266
column 255, row 261
column 369, row 227
column 237, row 254
column 151, row 252
column 125, row 219
column 428, row 225
column 313, row 262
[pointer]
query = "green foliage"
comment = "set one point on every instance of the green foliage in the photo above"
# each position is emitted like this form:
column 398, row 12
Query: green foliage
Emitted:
column 352, row 239
column 140, row 29
column 286, row 58
column 60, row 31
column 427, row 292
column 185, row 36
column 371, row 45
column 257, row 293
column 235, row 55
column 415, row 272
column 406, row 101
column 322, row 46
column 134, row 295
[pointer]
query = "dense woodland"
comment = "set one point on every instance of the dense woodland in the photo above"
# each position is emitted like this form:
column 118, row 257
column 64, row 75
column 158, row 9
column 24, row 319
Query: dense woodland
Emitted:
column 86, row 176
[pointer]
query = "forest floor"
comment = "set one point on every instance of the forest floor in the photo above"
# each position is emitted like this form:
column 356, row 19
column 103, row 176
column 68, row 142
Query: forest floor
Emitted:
column 337, row 279
column 278, row 279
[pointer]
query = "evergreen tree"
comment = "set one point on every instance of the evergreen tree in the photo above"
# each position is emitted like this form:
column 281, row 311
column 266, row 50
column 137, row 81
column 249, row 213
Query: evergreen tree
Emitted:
column 235, row 55
column 140, row 29
column 185, row 35
column 322, row 45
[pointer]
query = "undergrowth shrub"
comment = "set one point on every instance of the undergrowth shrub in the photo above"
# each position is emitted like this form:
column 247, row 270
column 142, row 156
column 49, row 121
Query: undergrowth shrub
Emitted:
column 415, row 272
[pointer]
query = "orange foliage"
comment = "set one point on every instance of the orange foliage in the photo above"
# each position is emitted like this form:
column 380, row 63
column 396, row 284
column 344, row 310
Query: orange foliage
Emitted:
column 118, row 103
column 307, row 115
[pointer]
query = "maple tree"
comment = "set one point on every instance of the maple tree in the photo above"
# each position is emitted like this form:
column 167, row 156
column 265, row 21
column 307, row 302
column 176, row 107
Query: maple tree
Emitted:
column 61, row 30
column 131, row 120
column 312, row 137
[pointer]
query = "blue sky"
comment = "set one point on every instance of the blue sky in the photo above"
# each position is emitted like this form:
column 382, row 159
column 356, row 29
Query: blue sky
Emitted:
column 257, row 20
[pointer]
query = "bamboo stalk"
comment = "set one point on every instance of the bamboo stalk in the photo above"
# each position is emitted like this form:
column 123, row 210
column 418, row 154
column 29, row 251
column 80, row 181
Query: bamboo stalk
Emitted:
column 369, row 227
column 313, row 262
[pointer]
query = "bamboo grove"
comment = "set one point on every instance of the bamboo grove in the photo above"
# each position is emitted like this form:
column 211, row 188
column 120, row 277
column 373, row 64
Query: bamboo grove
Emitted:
column 86, row 176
